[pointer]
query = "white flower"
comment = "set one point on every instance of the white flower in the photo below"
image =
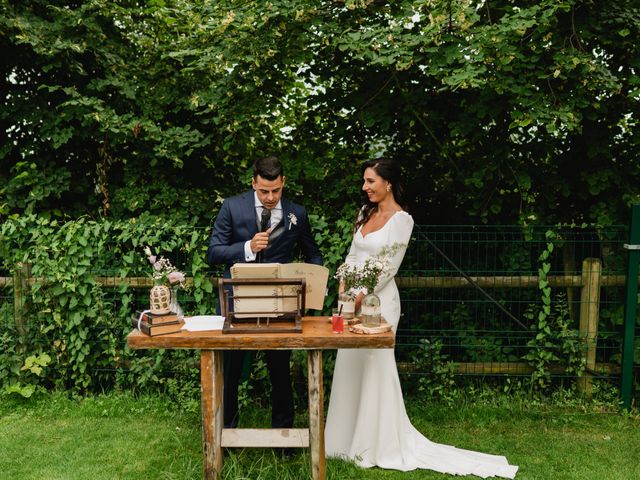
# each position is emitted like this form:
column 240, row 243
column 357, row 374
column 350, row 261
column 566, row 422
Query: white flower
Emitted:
column 368, row 274
column 293, row 220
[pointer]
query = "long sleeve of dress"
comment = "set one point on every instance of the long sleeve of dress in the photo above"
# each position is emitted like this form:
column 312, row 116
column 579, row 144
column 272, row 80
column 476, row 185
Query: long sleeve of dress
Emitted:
column 351, row 257
column 400, row 234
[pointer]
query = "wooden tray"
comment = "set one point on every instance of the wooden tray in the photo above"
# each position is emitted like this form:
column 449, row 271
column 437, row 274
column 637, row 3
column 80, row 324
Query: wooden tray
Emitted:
column 361, row 329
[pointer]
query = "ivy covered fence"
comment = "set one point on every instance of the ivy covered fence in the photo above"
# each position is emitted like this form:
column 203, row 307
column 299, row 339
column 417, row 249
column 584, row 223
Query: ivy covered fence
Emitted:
column 544, row 305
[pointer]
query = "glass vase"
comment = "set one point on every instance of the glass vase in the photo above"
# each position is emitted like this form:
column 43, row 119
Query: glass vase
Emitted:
column 370, row 310
column 174, row 306
column 348, row 305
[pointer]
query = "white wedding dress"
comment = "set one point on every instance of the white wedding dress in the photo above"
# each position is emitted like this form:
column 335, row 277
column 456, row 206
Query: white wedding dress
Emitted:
column 367, row 422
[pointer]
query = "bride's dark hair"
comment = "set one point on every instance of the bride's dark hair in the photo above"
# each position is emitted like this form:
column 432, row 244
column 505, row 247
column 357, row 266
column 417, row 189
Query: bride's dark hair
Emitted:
column 389, row 171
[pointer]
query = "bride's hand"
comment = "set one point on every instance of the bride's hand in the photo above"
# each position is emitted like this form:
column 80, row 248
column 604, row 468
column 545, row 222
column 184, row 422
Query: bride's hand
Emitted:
column 359, row 301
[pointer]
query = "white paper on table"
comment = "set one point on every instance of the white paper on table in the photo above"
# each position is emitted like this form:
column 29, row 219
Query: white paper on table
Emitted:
column 200, row 323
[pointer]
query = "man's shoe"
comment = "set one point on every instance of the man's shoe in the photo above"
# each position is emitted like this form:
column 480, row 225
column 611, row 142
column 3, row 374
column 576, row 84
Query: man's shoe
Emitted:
column 286, row 453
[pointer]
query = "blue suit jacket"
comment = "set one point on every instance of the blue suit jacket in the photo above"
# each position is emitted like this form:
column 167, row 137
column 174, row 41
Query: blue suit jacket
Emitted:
column 237, row 222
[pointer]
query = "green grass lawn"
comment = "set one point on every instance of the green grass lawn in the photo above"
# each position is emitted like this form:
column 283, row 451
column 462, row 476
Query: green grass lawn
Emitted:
column 121, row 437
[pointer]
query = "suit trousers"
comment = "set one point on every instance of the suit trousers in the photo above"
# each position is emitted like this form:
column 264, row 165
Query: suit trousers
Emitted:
column 282, row 412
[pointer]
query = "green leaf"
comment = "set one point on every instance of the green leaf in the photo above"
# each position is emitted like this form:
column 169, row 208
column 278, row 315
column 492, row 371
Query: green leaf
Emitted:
column 57, row 290
column 26, row 391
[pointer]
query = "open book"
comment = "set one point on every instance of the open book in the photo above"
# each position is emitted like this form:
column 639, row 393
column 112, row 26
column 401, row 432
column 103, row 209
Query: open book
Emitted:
column 280, row 299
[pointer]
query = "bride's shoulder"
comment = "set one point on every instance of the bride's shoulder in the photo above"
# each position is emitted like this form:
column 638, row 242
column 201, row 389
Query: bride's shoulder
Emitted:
column 403, row 216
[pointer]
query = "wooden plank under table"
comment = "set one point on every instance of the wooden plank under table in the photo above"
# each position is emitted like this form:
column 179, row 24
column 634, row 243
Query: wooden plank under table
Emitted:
column 316, row 336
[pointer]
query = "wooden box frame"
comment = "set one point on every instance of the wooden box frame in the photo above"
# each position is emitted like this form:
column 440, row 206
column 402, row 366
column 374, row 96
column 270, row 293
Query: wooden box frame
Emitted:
column 261, row 322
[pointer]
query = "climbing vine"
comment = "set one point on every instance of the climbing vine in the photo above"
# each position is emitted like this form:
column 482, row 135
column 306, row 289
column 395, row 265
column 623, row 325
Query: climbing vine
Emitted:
column 554, row 340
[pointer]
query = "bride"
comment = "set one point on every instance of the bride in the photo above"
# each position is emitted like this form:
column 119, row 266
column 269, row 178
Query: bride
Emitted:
column 367, row 422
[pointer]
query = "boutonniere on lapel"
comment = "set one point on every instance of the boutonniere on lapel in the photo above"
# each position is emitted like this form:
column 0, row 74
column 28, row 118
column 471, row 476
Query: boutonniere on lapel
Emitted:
column 293, row 220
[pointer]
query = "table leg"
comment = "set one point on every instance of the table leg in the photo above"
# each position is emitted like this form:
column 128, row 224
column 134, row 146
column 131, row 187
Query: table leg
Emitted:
column 316, row 414
column 211, row 380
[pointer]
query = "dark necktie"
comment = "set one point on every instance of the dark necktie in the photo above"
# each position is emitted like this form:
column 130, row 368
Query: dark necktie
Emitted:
column 264, row 225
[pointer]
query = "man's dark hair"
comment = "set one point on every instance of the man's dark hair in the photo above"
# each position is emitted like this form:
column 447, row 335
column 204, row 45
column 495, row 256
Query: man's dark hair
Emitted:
column 268, row 168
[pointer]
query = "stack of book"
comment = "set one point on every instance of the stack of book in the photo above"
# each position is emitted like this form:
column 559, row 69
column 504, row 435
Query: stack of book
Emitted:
column 153, row 325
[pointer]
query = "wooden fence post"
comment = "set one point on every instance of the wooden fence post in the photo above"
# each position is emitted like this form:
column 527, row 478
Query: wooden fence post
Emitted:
column 21, row 276
column 589, row 315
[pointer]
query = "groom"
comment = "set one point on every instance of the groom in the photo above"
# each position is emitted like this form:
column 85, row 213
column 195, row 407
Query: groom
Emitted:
column 261, row 226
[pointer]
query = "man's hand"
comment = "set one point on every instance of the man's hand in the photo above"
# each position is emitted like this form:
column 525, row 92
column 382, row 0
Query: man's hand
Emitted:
column 260, row 241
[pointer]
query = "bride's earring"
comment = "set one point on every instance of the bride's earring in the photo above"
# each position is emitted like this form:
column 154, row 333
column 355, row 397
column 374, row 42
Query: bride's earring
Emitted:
column 388, row 187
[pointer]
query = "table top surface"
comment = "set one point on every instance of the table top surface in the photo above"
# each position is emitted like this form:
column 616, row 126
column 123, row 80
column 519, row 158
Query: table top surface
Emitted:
column 316, row 334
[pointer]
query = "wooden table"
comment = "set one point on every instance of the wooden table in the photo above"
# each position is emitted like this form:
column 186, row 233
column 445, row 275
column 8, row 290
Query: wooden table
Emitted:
column 316, row 336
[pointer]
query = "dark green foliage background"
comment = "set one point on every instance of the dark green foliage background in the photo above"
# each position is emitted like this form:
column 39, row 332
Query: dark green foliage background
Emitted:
column 500, row 112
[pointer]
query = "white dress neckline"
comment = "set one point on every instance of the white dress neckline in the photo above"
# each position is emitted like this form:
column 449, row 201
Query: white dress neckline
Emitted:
column 382, row 227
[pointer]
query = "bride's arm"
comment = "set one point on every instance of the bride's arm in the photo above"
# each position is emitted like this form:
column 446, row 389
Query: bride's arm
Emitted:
column 351, row 256
column 401, row 234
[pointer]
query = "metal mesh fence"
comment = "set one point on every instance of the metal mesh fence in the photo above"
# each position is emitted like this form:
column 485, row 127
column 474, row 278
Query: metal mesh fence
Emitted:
column 476, row 290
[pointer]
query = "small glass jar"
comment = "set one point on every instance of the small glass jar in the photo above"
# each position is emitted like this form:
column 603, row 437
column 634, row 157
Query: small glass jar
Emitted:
column 370, row 310
column 348, row 304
